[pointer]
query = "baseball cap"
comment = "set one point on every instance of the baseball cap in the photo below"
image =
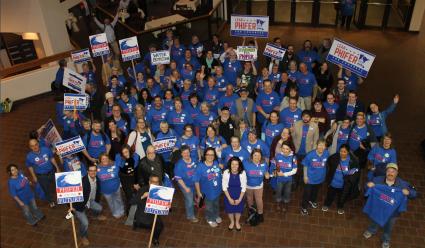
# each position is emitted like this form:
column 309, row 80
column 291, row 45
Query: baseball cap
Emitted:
column 392, row 165
column 109, row 95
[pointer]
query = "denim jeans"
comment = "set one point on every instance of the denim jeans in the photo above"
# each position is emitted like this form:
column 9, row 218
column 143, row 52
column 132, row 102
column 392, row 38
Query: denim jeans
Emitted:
column 115, row 203
column 32, row 213
column 283, row 192
column 188, row 203
column 386, row 236
column 96, row 208
column 47, row 183
column 212, row 211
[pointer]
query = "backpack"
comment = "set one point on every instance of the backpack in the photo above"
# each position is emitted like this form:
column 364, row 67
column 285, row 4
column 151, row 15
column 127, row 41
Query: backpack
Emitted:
column 253, row 217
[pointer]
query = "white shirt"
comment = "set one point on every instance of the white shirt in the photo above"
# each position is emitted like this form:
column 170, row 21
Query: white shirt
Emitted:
column 226, row 178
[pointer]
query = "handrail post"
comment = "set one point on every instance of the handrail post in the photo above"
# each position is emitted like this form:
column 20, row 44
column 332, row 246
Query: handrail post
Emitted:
column 229, row 4
column 248, row 7
column 270, row 11
column 293, row 11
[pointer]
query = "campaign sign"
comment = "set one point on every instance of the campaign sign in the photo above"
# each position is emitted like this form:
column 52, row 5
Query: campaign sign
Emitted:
column 81, row 56
column 249, row 26
column 99, row 44
column 70, row 146
column 49, row 133
column 274, row 52
column 350, row 57
column 160, row 57
column 246, row 53
column 74, row 81
column 75, row 101
column 159, row 200
column 69, row 187
column 164, row 145
column 129, row 49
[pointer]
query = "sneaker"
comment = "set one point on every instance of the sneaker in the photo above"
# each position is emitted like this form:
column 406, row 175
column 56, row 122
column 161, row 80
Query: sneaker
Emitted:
column 313, row 204
column 194, row 220
column 367, row 234
column 325, row 209
column 101, row 217
column 155, row 242
column 85, row 242
column 218, row 220
column 386, row 244
column 52, row 205
column 212, row 223
column 341, row 211
column 304, row 211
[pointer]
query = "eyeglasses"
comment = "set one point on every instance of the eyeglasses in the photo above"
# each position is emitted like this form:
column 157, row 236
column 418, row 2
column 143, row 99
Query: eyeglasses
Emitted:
column 188, row 130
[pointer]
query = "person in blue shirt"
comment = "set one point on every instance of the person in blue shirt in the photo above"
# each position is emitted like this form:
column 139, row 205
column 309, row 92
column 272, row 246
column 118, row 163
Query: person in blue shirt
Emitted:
column 342, row 177
column 349, row 107
column 361, row 139
column 194, row 107
column 234, row 150
column 377, row 119
column 221, row 80
column 267, row 101
column 127, row 103
column 203, row 120
column 150, row 69
column 391, row 180
column 283, row 167
column 380, row 156
column 211, row 94
column 189, row 59
column 189, row 139
column 184, row 172
column 115, row 88
column 213, row 140
column 347, row 8
column 187, row 72
column 228, row 100
column 168, row 101
column 208, row 185
column 271, row 128
column 331, row 106
column 140, row 82
column 340, row 132
column 89, row 74
column 71, row 125
column 196, row 47
column 166, row 133
column 252, row 142
column 59, row 74
column 307, row 55
column 291, row 114
column 314, row 175
column 177, row 50
column 232, row 68
column 122, row 81
column 153, row 87
column 259, row 83
column 256, row 170
column 275, row 75
column 178, row 117
column 96, row 142
column 168, row 41
column 156, row 114
column 108, row 175
column 42, row 167
column 306, row 83
column 74, row 163
column 20, row 190
column 352, row 81
column 293, row 72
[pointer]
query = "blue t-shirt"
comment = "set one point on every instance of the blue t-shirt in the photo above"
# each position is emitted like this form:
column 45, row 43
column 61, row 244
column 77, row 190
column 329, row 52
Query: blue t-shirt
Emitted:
column 267, row 102
column 97, row 144
column 283, row 164
column 341, row 170
column 275, row 77
column 259, row 144
column 194, row 111
column 177, row 53
column 351, row 81
column 209, row 179
column 270, row 131
column 331, row 109
column 184, row 96
column 108, row 178
column 40, row 161
column 128, row 107
column 155, row 90
column 306, row 83
column 316, row 166
column 90, row 76
column 202, row 122
column 375, row 121
column 155, row 116
column 282, row 89
column 342, row 138
column 289, row 117
column 71, row 128
column 187, row 74
column 380, row 155
column 195, row 49
column 193, row 61
column 74, row 164
column 178, row 120
column 222, row 82
column 122, row 125
column 293, row 75
column 307, row 57
column 356, row 136
column 384, row 202
column 193, row 143
column 206, row 142
column 302, row 150
column 228, row 101
column 185, row 171
column 229, row 153
column 168, row 105
column 350, row 110
column 255, row 173
column 232, row 70
column 20, row 187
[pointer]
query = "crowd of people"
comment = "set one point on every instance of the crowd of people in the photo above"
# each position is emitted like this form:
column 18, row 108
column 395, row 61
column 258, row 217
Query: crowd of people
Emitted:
column 232, row 126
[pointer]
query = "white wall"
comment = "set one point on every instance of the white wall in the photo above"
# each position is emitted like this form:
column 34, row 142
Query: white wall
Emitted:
column 417, row 16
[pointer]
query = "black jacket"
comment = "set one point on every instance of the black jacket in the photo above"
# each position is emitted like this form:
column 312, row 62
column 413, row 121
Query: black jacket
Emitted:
column 140, row 217
column 342, row 110
column 80, row 206
column 351, row 182
column 147, row 168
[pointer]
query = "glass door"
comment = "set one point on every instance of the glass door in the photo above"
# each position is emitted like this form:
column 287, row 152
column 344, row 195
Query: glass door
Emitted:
column 303, row 11
column 328, row 12
column 376, row 13
column 282, row 11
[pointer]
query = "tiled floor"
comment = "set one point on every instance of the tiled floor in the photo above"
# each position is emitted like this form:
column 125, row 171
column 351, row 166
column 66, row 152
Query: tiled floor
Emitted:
column 399, row 68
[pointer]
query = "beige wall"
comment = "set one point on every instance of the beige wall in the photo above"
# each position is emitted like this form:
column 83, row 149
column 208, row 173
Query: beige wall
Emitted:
column 418, row 14
column 46, row 17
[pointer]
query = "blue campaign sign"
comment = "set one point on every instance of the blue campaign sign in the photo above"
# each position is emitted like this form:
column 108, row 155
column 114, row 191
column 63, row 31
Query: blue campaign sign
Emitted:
column 249, row 26
column 70, row 146
column 159, row 200
column 99, row 44
column 69, row 187
column 274, row 52
column 129, row 48
column 350, row 57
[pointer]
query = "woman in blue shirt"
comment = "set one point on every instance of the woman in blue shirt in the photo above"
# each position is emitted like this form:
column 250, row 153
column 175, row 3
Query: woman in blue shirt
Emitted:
column 74, row 163
column 204, row 119
column 377, row 119
column 189, row 139
column 314, row 175
column 213, row 140
column 256, row 170
column 107, row 173
column 184, row 172
column 271, row 128
column 208, row 186
column 380, row 156
column 178, row 117
column 127, row 162
column 20, row 190
column 283, row 167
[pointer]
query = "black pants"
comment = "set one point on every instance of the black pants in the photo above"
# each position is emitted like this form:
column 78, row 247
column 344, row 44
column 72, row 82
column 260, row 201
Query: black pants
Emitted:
column 158, row 228
column 330, row 197
column 127, row 182
column 47, row 183
column 300, row 172
column 346, row 20
column 362, row 156
column 310, row 194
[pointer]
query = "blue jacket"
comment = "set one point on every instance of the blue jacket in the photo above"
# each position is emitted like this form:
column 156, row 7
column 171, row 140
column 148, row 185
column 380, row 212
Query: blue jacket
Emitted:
column 378, row 121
